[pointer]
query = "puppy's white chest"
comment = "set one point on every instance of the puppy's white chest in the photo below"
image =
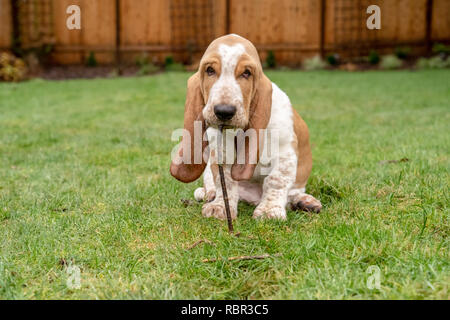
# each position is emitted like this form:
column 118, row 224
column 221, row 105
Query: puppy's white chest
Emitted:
column 279, row 135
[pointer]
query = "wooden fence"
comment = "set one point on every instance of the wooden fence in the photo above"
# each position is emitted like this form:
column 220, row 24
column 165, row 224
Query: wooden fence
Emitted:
column 292, row 29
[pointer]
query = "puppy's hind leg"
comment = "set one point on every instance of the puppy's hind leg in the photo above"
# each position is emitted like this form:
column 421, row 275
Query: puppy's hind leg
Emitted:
column 275, row 189
column 299, row 200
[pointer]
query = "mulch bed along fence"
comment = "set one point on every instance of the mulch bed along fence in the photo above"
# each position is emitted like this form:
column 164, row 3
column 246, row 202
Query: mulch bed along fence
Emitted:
column 62, row 72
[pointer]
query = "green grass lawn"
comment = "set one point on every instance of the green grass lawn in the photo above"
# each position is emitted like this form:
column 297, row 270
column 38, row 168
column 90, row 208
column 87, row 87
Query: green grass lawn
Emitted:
column 84, row 177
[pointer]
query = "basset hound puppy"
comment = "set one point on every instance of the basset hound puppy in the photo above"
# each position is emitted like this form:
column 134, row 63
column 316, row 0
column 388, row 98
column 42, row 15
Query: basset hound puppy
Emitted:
column 231, row 90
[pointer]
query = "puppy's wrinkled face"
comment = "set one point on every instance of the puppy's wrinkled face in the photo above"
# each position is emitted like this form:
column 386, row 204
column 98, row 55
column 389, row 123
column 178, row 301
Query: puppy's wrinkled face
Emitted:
column 228, row 85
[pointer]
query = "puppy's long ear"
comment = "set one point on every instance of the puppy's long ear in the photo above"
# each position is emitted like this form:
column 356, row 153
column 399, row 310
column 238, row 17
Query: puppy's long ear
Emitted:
column 259, row 117
column 190, row 163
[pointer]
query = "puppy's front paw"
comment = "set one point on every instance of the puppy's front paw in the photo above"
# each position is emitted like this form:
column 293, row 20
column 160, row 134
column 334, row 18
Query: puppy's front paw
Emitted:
column 200, row 194
column 217, row 210
column 270, row 212
column 306, row 202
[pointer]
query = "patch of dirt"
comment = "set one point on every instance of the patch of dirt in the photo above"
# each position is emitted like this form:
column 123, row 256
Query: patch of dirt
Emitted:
column 352, row 66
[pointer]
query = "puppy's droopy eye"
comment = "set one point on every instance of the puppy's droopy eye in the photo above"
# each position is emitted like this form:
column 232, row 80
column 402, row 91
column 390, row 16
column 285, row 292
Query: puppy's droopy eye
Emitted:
column 210, row 71
column 246, row 74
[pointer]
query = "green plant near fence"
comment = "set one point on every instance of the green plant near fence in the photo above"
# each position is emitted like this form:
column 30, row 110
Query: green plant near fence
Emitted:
column 171, row 65
column 12, row 69
column 436, row 62
column 390, row 62
column 314, row 63
column 374, row 57
column 91, row 61
column 271, row 61
column 402, row 52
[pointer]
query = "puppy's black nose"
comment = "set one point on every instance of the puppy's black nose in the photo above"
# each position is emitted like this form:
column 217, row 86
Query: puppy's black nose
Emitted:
column 224, row 112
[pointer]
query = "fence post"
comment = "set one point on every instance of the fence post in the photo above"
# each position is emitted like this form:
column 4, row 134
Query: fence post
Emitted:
column 118, row 27
column 227, row 16
column 16, row 45
column 429, row 19
column 322, row 27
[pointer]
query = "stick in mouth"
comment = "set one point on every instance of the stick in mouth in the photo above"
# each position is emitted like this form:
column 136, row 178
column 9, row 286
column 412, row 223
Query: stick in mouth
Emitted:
column 222, row 182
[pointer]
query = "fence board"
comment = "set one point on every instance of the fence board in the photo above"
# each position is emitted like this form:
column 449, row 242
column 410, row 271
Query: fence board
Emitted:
column 145, row 22
column 63, row 36
column 287, row 24
column 403, row 21
column 440, row 26
column 6, row 24
column 99, row 27
column 220, row 17
column 291, row 28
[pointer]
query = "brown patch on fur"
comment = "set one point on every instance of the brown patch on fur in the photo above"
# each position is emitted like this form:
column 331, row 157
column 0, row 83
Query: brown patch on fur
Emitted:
column 303, row 150
column 260, row 110
column 210, row 59
column 192, row 112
